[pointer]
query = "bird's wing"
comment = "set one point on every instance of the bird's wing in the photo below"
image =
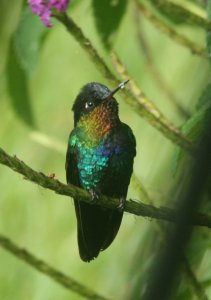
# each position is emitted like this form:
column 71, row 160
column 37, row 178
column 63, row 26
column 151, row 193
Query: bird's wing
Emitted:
column 117, row 177
column 72, row 175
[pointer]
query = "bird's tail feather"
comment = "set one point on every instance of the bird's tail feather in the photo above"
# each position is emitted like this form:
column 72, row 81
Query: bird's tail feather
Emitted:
column 97, row 228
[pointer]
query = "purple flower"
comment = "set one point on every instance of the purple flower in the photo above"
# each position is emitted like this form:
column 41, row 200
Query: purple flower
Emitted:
column 43, row 8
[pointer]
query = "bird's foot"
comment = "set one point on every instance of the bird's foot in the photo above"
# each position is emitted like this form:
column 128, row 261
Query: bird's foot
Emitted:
column 94, row 196
column 121, row 206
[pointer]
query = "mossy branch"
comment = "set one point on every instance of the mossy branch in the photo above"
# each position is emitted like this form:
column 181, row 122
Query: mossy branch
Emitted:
column 170, row 32
column 51, row 272
column 182, row 13
column 137, row 101
column 133, row 207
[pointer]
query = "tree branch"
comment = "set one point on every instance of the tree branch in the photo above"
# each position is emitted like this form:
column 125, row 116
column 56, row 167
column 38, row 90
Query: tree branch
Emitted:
column 133, row 207
column 155, row 74
column 43, row 267
column 138, row 102
column 170, row 32
column 167, row 126
column 184, row 14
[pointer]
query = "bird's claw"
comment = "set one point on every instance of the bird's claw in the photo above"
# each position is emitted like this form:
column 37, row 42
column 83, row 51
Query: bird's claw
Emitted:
column 94, row 196
column 121, row 206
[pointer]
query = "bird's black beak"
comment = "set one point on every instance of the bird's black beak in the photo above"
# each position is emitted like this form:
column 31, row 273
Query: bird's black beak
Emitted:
column 120, row 86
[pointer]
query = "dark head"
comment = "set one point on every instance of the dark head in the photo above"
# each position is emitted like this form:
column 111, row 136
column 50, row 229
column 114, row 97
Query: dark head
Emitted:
column 96, row 99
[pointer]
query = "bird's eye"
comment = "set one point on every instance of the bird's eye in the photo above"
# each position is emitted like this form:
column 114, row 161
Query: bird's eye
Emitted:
column 89, row 104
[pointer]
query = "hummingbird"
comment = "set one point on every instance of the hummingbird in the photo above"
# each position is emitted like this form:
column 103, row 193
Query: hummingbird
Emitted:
column 99, row 159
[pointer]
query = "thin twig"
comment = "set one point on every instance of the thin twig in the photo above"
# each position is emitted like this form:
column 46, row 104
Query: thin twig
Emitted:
column 152, row 67
column 51, row 272
column 133, row 207
column 170, row 32
column 138, row 102
column 183, row 14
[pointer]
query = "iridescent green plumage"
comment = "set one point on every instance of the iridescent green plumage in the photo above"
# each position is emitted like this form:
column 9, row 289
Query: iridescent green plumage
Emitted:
column 100, row 157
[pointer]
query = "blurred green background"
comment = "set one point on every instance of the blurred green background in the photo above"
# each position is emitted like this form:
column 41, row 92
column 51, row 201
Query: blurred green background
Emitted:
column 36, row 130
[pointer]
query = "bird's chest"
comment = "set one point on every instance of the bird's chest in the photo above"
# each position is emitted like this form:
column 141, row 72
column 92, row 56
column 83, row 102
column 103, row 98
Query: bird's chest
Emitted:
column 92, row 163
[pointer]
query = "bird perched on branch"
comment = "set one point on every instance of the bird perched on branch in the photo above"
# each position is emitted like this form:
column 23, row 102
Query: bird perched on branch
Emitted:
column 100, row 155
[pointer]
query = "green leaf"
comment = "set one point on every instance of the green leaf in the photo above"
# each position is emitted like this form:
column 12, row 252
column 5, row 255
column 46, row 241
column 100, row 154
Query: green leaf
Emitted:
column 23, row 56
column 170, row 12
column 192, row 129
column 17, row 83
column 209, row 32
column 205, row 99
column 194, row 126
column 28, row 40
column 108, row 15
column 174, row 13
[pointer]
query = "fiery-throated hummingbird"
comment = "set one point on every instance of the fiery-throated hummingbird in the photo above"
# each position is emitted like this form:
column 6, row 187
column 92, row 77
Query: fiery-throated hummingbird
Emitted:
column 100, row 155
